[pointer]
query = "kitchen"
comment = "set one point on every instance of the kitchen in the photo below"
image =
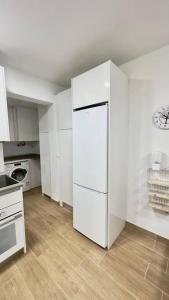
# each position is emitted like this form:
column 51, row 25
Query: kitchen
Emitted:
column 84, row 178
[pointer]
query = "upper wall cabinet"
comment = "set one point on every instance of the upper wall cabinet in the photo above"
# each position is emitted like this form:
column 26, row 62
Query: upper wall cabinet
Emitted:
column 91, row 87
column 23, row 123
column 27, row 119
column 4, row 126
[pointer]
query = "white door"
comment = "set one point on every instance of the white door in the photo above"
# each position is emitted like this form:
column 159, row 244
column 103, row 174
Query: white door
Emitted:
column 63, row 102
column 90, row 148
column 66, row 166
column 90, row 214
column 45, row 163
column 13, row 130
column 4, row 125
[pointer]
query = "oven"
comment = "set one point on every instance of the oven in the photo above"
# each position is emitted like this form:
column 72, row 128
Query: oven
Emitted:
column 12, row 231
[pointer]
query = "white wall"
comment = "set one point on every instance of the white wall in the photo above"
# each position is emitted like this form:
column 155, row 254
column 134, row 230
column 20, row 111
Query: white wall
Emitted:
column 148, row 90
column 21, row 85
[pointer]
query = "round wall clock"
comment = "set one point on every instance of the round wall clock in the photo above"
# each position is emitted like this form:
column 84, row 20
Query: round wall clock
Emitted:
column 161, row 117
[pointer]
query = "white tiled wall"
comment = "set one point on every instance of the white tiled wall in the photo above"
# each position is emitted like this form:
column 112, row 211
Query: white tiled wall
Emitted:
column 12, row 148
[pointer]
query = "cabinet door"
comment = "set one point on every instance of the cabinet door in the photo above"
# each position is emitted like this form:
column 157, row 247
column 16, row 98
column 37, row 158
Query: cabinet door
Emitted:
column 45, row 163
column 27, row 119
column 43, row 118
column 92, row 87
column 1, row 158
column 13, row 131
column 4, row 128
column 35, row 172
column 64, row 109
column 66, row 166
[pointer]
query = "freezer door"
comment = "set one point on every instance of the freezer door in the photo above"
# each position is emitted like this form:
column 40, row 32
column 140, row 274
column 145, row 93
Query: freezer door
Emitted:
column 90, row 139
column 90, row 214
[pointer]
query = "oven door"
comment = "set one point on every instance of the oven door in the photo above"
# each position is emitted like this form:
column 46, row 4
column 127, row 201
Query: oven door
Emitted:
column 11, row 235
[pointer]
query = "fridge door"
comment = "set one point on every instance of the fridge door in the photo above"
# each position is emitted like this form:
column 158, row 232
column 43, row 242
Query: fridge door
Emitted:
column 90, row 138
column 90, row 214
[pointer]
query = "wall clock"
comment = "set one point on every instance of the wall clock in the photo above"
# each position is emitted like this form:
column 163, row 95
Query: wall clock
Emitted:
column 161, row 117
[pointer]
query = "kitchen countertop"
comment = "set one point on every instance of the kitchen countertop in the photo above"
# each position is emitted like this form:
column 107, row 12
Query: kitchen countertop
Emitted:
column 20, row 157
column 7, row 183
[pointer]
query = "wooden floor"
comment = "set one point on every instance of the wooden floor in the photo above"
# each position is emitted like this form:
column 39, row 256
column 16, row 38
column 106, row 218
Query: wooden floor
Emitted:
column 62, row 264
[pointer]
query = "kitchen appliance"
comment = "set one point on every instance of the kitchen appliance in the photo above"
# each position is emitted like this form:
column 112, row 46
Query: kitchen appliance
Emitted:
column 90, row 172
column 12, row 229
column 100, row 131
column 20, row 171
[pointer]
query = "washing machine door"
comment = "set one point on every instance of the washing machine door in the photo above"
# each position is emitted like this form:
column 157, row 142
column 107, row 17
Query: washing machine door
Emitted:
column 19, row 174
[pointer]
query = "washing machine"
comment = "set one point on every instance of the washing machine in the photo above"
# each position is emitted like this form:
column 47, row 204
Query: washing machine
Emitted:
column 20, row 171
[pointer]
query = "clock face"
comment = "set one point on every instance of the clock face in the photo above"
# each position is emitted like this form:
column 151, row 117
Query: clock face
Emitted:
column 161, row 117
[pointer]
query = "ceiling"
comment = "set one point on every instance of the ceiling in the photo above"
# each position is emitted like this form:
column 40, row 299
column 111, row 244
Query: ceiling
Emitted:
column 58, row 39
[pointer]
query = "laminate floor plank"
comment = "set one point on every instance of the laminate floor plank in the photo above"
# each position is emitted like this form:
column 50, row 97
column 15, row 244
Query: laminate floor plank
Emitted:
column 87, row 293
column 141, row 230
column 89, row 248
column 37, row 279
column 140, row 237
column 129, row 278
column 71, row 254
column 61, row 263
column 162, row 248
column 60, row 273
column 104, row 285
column 15, row 289
column 7, row 271
column 158, row 278
column 165, row 296
column 139, row 250
column 136, row 262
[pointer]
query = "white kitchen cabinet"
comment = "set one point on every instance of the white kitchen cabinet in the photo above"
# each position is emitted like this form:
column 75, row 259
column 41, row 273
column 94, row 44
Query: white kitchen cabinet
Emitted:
column 54, row 152
column 35, row 172
column 46, row 149
column 13, row 131
column 4, row 125
column 91, row 87
column 63, row 104
column 27, row 119
column 64, row 109
column 45, row 163
column 1, row 158
column 66, row 193
column 43, row 118
column 55, row 123
column 23, row 123
column 102, row 95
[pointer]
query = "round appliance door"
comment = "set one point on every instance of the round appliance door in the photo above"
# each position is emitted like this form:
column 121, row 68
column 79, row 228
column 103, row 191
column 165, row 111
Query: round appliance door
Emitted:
column 19, row 174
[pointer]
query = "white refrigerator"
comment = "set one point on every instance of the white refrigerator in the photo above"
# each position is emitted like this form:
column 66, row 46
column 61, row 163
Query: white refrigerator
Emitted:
column 100, row 153
column 90, row 171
